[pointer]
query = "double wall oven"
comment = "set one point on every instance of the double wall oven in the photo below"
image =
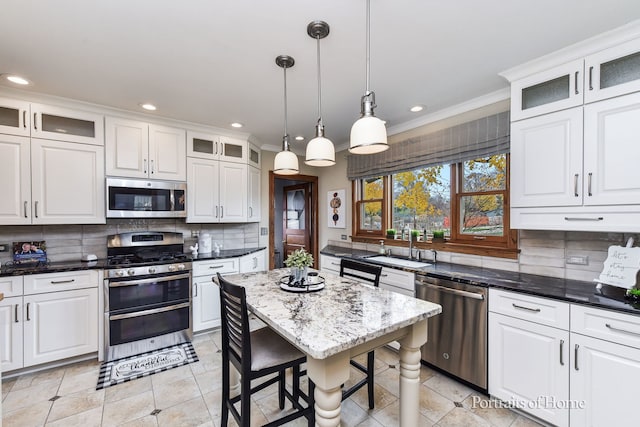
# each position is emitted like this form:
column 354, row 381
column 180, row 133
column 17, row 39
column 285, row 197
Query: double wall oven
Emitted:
column 147, row 289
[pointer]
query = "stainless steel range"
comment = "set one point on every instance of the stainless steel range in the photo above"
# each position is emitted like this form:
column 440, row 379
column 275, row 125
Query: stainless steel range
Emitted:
column 147, row 288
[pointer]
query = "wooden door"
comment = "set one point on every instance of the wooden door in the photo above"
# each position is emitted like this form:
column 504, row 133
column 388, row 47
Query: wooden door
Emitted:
column 296, row 215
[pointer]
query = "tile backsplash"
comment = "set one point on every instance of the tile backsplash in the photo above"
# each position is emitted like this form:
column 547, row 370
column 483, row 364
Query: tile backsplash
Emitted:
column 70, row 242
column 541, row 252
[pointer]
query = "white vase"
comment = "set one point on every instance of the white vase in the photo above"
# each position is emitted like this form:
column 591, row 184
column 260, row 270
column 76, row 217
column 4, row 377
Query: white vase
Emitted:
column 299, row 273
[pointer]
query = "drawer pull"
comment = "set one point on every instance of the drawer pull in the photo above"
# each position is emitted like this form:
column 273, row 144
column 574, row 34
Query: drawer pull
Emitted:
column 521, row 307
column 613, row 328
column 213, row 267
column 575, row 364
column 60, row 282
column 561, row 351
column 571, row 218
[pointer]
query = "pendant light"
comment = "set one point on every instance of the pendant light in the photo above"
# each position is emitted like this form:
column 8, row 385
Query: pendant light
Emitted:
column 368, row 133
column 286, row 162
column 320, row 150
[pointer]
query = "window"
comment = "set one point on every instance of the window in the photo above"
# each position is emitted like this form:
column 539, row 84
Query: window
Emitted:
column 467, row 200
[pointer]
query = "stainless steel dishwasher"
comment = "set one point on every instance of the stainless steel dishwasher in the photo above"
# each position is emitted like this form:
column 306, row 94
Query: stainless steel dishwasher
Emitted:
column 457, row 340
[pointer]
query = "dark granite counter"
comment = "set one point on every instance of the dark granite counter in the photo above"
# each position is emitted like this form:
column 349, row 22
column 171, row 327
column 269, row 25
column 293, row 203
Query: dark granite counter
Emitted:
column 225, row 253
column 573, row 291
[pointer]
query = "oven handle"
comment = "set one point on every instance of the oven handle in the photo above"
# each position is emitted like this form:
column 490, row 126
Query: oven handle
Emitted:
column 151, row 280
column 458, row 292
column 147, row 312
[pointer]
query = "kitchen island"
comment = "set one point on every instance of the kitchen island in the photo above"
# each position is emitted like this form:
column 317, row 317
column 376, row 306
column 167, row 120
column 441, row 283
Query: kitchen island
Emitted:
column 343, row 320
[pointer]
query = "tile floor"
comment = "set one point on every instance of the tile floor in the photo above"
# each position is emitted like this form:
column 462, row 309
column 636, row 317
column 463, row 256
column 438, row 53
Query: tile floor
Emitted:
column 190, row 396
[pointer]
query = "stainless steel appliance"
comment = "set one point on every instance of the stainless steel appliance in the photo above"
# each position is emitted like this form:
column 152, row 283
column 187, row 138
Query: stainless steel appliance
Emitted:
column 147, row 289
column 457, row 341
column 138, row 198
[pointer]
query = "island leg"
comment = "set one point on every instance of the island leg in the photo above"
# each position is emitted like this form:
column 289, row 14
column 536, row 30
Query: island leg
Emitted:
column 410, row 374
column 328, row 375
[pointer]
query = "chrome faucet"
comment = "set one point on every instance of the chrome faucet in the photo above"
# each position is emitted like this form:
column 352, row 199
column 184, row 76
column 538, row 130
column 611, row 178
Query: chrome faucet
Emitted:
column 410, row 245
column 435, row 255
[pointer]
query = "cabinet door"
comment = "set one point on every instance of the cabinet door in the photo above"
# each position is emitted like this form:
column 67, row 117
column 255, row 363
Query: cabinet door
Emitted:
column 233, row 150
column 202, row 145
column 528, row 361
column 167, row 153
column 15, row 180
column 14, row 117
column 233, row 192
column 611, row 151
column 613, row 72
column 253, row 262
column 62, row 124
column 552, row 90
column 58, row 325
column 254, row 156
column 202, row 190
column 127, row 148
column 253, row 214
column 546, row 160
column 11, row 334
column 206, row 303
column 604, row 377
column 67, row 183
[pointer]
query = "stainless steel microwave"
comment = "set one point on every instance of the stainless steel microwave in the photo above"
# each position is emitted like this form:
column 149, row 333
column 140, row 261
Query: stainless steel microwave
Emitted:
column 138, row 198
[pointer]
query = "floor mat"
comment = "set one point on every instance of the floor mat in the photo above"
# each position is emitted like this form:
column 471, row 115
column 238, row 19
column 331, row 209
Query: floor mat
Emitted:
column 127, row 369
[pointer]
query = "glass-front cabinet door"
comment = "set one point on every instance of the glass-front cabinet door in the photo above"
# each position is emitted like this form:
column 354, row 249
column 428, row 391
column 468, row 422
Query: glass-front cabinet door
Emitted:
column 14, row 117
column 233, row 150
column 254, row 156
column 613, row 72
column 552, row 90
column 202, row 145
column 61, row 124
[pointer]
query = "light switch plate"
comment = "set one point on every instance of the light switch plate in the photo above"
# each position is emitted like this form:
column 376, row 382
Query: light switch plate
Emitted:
column 577, row 260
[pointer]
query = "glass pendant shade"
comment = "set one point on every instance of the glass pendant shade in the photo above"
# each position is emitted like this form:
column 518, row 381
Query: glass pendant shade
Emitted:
column 368, row 136
column 285, row 163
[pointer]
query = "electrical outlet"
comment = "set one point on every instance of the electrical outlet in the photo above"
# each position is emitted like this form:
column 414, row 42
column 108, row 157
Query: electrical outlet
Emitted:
column 577, row 260
column 4, row 247
column 264, row 231
column 343, row 236
column 195, row 234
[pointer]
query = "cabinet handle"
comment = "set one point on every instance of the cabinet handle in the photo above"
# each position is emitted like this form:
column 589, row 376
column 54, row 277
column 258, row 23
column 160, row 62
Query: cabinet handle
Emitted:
column 589, row 184
column 333, row 263
column 575, row 355
column 591, row 78
column 145, row 166
column 216, row 212
column 561, row 351
column 221, row 212
column 571, row 218
column 28, row 317
column 216, row 147
column 61, row 282
column 35, row 206
column 195, row 288
column 575, row 185
column 213, row 267
column 255, row 262
column 576, row 82
column 152, row 168
column 24, row 119
column 613, row 328
column 521, row 307
column 250, row 212
column 35, row 122
column 16, row 314
column 25, row 210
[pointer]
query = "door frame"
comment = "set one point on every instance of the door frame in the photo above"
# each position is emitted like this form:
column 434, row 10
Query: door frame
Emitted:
column 314, row 211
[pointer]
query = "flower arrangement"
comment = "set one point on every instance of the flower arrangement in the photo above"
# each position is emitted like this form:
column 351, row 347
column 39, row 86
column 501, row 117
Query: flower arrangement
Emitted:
column 299, row 258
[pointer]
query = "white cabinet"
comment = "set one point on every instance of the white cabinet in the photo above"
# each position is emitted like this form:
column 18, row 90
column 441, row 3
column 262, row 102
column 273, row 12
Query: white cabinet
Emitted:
column 330, row 263
column 254, row 157
column 253, row 262
column 15, row 117
column 402, row 282
column 206, row 293
column 612, row 72
column 216, row 147
column 56, row 318
column 216, row 191
column 253, row 190
column 137, row 149
column 51, row 182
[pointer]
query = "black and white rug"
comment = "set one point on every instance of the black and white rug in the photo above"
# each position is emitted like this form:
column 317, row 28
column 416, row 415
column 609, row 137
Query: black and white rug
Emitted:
column 127, row 369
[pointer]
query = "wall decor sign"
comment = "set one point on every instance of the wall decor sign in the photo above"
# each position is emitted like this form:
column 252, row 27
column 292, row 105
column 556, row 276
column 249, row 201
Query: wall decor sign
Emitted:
column 336, row 209
column 29, row 252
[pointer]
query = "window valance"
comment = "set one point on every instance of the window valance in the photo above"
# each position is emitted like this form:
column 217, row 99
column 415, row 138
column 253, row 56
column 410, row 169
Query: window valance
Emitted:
column 467, row 141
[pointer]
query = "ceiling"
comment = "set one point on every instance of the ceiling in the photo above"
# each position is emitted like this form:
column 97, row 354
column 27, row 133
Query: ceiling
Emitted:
column 213, row 62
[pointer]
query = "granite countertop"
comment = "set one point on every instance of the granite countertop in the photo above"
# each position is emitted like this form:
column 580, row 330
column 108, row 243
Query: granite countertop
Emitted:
column 574, row 291
column 101, row 264
column 344, row 314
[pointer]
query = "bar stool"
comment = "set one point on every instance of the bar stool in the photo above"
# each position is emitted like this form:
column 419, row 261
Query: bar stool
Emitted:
column 255, row 355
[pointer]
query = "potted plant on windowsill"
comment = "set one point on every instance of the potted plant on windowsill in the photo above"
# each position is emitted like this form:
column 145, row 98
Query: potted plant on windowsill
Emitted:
column 298, row 261
column 391, row 233
column 438, row 236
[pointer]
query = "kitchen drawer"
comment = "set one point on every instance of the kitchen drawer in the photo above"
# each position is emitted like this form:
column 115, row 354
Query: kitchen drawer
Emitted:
column 330, row 263
column 398, row 278
column 612, row 326
column 210, row 267
column 64, row 281
column 11, row 286
column 526, row 307
column 403, row 291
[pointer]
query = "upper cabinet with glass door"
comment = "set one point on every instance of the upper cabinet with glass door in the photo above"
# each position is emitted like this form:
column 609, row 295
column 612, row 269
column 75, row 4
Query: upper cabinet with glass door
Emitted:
column 612, row 72
column 254, row 159
column 49, row 122
column 215, row 147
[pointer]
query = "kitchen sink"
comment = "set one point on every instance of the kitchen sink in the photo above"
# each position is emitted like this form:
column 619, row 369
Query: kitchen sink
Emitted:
column 400, row 262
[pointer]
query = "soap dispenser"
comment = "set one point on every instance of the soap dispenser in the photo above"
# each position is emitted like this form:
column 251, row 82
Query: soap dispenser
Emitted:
column 381, row 249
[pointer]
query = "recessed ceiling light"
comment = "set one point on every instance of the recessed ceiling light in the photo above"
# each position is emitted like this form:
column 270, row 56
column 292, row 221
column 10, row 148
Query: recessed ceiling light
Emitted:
column 149, row 107
column 17, row 79
column 236, row 125
column 299, row 138
column 416, row 108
